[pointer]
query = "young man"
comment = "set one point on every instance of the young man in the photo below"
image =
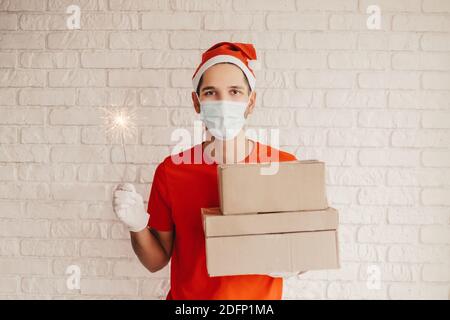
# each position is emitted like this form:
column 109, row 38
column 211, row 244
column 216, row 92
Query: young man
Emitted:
column 224, row 97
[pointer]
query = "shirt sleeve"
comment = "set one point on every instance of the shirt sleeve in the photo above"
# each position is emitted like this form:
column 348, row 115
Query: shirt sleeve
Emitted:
column 159, row 206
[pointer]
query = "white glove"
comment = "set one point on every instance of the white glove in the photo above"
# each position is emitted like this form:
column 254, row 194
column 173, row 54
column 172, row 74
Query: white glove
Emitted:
column 285, row 274
column 129, row 207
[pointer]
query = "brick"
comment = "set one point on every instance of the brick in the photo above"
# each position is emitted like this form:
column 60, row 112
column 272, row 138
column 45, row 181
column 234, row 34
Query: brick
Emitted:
column 75, row 116
column 292, row 98
column 22, row 40
column 79, row 229
column 391, row 80
column 324, row 118
column 169, row 59
column 109, row 287
column 358, row 137
column 7, row 59
column 43, row 22
column 24, row 228
column 107, row 248
column 436, row 80
column 22, row 78
column 388, row 234
column 255, row 5
column 421, row 139
column 356, row 99
column 421, row 23
column 65, row 135
column 137, row 5
column 9, row 284
column 8, row 135
column 435, row 42
column 24, row 266
column 355, row 290
column 77, row 40
column 8, row 21
column 327, row 5
column 370, row 60
column 418, row 99
column 171, row 21
column 49, row 248
column 290, row 21
column 88, row 192
column 79, row 154
column 436, row 158
column 109, row 60
column 49, row 60
column 390, row 157
column 133, row 268
column 417, row 253
column 389, row 119
column 325, row 79
column 139, row 154
column 355, row 176
column 226, row 21
column 109, row 21
column 155, row 288
column 77, row 78
column 24, row 191
column 417, row 291
column 138, row 40
column 388, row 195
column 436, row 119
column 106, row 173
column 144, row 78
column 436, row 196
column 24, row 153
column 55, row 210
column 47, row 97
column 326, row 41
column 419, row 177
column 438, row 6
column 437, row 234
column 392, row 41
column 281, row 60
column 23, row 5
column 393, row 6
column 421, row 61
column 8, row 172
column 434, row 272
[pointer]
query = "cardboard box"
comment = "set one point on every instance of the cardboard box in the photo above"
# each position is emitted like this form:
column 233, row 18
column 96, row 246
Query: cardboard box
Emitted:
column 270, row 242
column 296, row 185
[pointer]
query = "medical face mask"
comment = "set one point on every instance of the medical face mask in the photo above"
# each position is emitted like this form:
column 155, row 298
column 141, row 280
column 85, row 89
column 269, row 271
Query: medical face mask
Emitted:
column 223, row 118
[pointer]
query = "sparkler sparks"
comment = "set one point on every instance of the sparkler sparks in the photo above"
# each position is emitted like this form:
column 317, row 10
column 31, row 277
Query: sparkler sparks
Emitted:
column 119, row 123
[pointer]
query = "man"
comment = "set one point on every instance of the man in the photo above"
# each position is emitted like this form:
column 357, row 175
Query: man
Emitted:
column 224, row 97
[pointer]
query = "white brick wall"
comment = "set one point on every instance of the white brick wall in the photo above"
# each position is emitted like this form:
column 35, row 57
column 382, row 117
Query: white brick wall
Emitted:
column 373, row 104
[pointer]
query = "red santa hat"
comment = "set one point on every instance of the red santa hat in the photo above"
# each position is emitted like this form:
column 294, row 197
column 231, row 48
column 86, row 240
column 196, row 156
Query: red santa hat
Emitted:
column 242, row 55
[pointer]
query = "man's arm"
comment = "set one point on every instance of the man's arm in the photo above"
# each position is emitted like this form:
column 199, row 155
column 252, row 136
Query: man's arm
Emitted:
column 152, row 247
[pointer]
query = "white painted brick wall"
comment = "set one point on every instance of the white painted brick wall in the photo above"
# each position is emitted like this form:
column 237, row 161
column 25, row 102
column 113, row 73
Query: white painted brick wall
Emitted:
column 373, row 104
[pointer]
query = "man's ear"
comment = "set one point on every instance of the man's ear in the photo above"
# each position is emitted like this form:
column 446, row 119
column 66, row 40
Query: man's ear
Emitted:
column 252, row 103
column 195, row 102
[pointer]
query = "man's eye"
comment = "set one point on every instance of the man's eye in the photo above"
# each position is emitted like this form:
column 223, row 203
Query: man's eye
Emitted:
column 208, row 93
column 235, row 91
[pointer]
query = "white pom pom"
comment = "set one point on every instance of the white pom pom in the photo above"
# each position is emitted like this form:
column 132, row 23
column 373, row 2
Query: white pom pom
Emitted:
column 254, row 64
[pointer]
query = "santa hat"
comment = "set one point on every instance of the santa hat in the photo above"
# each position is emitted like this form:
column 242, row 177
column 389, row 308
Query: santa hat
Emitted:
column 242, row 55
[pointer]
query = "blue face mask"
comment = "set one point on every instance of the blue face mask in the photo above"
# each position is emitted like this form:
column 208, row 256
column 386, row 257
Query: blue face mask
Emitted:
column 223, row 118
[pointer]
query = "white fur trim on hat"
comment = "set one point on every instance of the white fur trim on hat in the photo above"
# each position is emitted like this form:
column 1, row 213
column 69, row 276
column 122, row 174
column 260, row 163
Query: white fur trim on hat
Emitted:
column 224, row 58
column 254, row 64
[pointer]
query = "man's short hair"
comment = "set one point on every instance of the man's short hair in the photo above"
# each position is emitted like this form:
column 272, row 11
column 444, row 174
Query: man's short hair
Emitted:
column 245, row 77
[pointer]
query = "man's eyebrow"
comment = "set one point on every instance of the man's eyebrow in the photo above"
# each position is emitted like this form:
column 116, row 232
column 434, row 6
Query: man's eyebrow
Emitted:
column 236, row 87
column 208, row 88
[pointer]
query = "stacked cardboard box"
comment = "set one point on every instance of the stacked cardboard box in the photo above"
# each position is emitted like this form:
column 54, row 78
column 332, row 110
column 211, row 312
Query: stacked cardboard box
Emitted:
column 271, row 220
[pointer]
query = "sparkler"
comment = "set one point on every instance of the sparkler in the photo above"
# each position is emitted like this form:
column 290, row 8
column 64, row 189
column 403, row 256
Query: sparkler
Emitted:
column 120, row 123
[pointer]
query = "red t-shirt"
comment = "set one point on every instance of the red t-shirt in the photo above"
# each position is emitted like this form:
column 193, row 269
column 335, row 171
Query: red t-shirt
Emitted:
column 177, row 194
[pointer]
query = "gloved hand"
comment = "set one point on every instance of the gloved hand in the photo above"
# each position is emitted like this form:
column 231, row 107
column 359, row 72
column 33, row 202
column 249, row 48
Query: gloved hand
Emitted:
column 129, row 207
column 285, row 274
